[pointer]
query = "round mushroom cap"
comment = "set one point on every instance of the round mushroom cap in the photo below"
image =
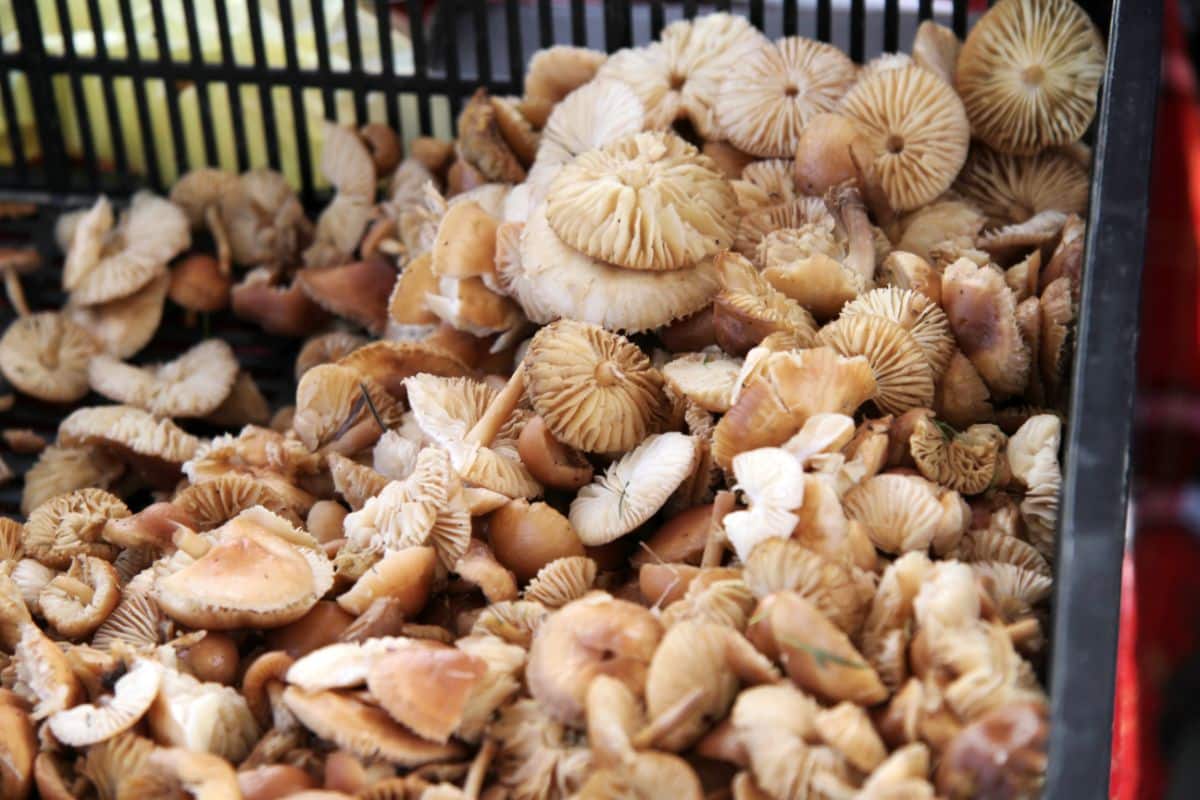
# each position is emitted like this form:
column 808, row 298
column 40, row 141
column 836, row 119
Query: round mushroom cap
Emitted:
column 357, row 291
column 260, row 572
column 768, row 95
column 89, row 724
column 649, row 201
column 1029, row 74
column 425, row 686
column 554, row 72
column 76, row 602
column 1010, row 189
column 45, row 355
column 192, row 385
column 123, row 327
column 562, row 581
column 917, row 130
column 266, row 222
column 70, row 524
column 592, row 116
column 903, row 375
column 158, row 447
column 595, row 390
column 633, row 488
column 200, row 189
column 967, row 462
column 917, row 314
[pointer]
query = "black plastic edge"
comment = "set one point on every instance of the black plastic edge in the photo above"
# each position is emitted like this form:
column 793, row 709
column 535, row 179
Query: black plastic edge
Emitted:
column 1094, row 509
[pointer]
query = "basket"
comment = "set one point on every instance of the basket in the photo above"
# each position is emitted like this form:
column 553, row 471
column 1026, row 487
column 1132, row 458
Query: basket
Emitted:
column 182, row 83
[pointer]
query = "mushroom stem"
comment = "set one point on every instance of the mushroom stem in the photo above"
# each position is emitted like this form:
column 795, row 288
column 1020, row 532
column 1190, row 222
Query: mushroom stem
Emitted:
column 676, row 714
column 190, row 542
column 381, row 231
column 392, row 247
column 1023, row 630
column 860, row 257
column 15, row 292
column 217, row 228
column 485, row 430
column 872, row 191
column 479, row 767
column 714, row 548
column 74, row 587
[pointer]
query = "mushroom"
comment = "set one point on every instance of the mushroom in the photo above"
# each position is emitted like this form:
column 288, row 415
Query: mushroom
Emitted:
column 982, row 313
column 1033, row 457
column 340, row 410
column 132, row 695
column 917, row 131
column 904, row 513
column 258, row 571
column 210, row 504
column 749, row 308
column 390, row 364
column 562, row 581
column 847, row 729
column 408, row 316
column 280, row 462
column 18, row 748
column 968, row 462
column 768, row 95
column 425, row 686
column 1057, row 321
column 155, row 448
column 69, row 525
column 481, row 142
column 43, row 674
column 551, row 463
column 46, row 355
column 172, row 771
column 1009, row 189
column 124, row 326
column 921, row 317
column 357, row 291
column 594, row 390
column 1004, row 751
column 347, row 164
column 923, row 229
column 649, row 201
column 279, row 311
column 198, row 285
column 244, row 405
column 478, row 566
column 831, row 149
column 553, row 73
column 839, row 591
column 1029, row 76
column 264, row 219
column 705, row 378
column 198, row 194
column 1067, row 258
column 592, row 116
column 596, row 635
column 77, row 601
column 326, row 348
column 527, row 536
column 961, row 397
column 633, row 488
column 192, row 385
column 936, row 48
column 404, row 576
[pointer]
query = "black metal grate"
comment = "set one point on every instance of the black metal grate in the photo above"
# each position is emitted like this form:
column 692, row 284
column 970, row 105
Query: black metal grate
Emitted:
column 106, row 117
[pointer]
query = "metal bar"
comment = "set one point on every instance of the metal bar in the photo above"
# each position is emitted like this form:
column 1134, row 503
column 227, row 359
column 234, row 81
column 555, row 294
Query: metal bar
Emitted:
column 723, row 5
column 209, row 152
column 545, row 23
column 1094, row 510
column 354, row 51
column 824, row 20
column 116, row 131
column 483, row 50
column 789, row 17
column 516, row 54
column 858, row 32
column 690, row 8
column 925, row 10
column 756, row 13
column 321, row 38
column 453, row 81
column 171, row 89
column 891, row 26
column 416, row 33
column 299, row 114
column 16, row 142
column 135, row 69
column 616, row 34
column 960, row 18
column 578, row 23
column 83, row 120
column 266, row 103
column 232, row 88
column 657, row 20
column 387, row 63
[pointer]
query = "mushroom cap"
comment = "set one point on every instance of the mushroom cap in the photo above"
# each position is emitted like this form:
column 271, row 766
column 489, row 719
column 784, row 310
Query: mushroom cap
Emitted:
column 838, row 591
column 930, row 225
column 1014, row 591
column 260, row 572
column 555, row 72
column 1057, row 321
column 332, row 400
column 425, row 686
column 998, row 547
column 1015, row 735
column 276, row 309
column 355, row 482
column 326, row 348
column 197, row 190
column 982, row 313
column 847, row 729
column 276, row 460
column 807, row 214
column 45, row 671
column 768, row 95
column 553, row 280
column 916, row 127
column 89, row 724
column 244, row 405
column 364, row 730
column 264, row 219
column 481, row 143
column 131, row 434
column 85, row 239
column 691, row 656
column 967, row 462
column 648, row 201
column 346, row 162
column 70, row 524
column 407, row 312
column 123, row 327
column 936, row 48
column 706, row 379
column 192, row 385
column 1029, row 74
column 961, row 397
column 917, row 314
column 466, row 242
column 903, row 375
column 633, row 488
column 903, row 513
column 748, row 309
column 595, row 390
column 357, row 291
column 404, row 576
column 45, row 355
column 74, row 616
column 210, row 504
column 561, row 581
column 1009, row 189
column 593, row 116
column 389, row 363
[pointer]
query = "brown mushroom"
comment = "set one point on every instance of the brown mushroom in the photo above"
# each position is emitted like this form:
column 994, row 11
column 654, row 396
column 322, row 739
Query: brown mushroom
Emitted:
column 527, row 536
column 198, row 285
column 280, row 311
column 357, row 291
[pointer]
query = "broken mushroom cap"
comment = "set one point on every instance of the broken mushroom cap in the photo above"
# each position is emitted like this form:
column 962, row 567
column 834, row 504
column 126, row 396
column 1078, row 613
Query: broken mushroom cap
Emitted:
column 594, row 390
column 357, row 291
column 917, row 130
column 555, row 72
column 1029, row 75
column 903, row 513
column 982, row 313
column 633, row 488
column 259, row 571
column 771, row 93
column 192, row 385
column 1009, row 189
column 903, row 374
column 706, row 378
column 749, row 308
column 405, row 576
column 131, row 697
column 71, row 524
column 967, row 462
column 45, row 356
column 74, row 603
column 649, row 201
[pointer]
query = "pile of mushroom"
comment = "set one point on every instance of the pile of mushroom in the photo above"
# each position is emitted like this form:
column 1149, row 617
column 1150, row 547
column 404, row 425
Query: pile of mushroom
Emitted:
column 691, row 423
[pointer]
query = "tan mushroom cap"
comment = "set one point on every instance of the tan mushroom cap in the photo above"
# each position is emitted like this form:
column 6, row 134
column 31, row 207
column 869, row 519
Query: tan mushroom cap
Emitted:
column 199, row 189
column 967, row 462
column 192, row 385
column 1029, row 74
column 481, row 143
column 46, row 355
column 18, row 749
column 45, row 672
column 633, row 488
column 336, row 407
column 60, row 470
column 553, row 280
column 158, row 447
column 131, row 697
column 1057, row 321
column 425, row 686
column 1010, row 189
column 838, row 591
column 767, row 96
column 70, row 524
column 260, row 571
column 357, row 291
column 83, row 241
column 561, row 581
column 554, row 72
column 74, row 603
column 917, row 129
column 390, row 364
column 903, row 375
column 692, row 657
column 408, row 316
column 707, row 378
column 917, row 314
column 283, row 311
column 355, row 482
column 928, row 226
column 982, row 313
column 1014, row 735
column 210, row 504
column 748, row 308
column 592, row 116
column 903, row 513
column 244, row 405
column 466, row 242
column 404, row 576
column 936, row 48
column 124, row 326
column 364, row 730
column 649, row 201
column 266, row 222
column 326, row 348
column 11, row 534
column 595, row 390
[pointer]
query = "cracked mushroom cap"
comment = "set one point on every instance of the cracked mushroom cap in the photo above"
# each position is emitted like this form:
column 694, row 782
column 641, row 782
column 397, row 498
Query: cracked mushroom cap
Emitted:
column 595, row 390
column 132, row 695
column 967, row 462
column 650, row 201
column 1029, row 75
column 266, row 222
column 707, row 379
column 69, row 525
column 903, row 513
column 633, row 488
column 150, row 234
column 259, row 572
column 768, row 95
column 364, row 730
column 123, row 327
column 592, row 116
column 46, row 355
column 983, row 315
column 903, row 375
column 76, row 602
column 1009, row 189
column 917, row 129
column 553, row 280
column 596, row 635
column 157, row 447
column 425, row 686
column 192, row 385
